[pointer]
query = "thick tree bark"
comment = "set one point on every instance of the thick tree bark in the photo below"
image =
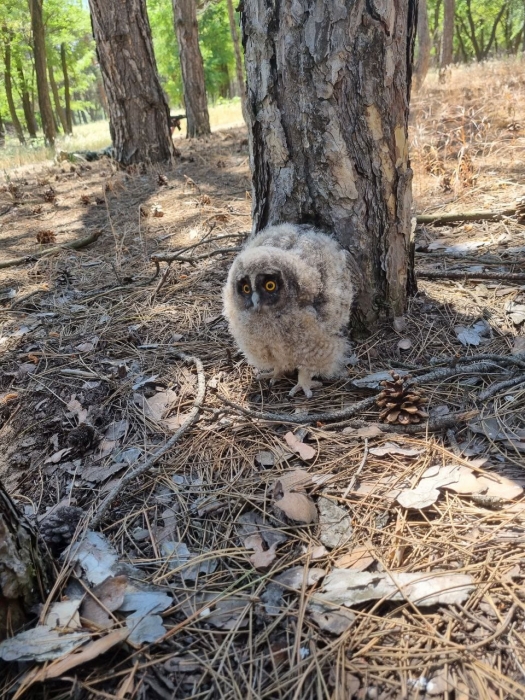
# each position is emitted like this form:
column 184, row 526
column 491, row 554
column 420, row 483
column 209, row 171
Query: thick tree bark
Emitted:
column 328, row 98
column 2, row 132
column 238, row 57
column 192, row 68
column 39, row 51
column 27, row 104
column 447, row 38
column 423, row 43
column 22, row 569
column 67, row 93
column 56, row 98
column 138, row 108
column 8, row 82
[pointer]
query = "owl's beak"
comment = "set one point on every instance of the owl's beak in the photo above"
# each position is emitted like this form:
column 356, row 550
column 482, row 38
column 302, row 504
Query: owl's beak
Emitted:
column 255, row 301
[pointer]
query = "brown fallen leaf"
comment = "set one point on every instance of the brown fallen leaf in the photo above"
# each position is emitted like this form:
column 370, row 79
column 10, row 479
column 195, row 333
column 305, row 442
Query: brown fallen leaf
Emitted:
column 358, row 559
column 335, row 621
column 106, row 597
column 304, row 451
column 297, row 506
column 392, row 448
column 295, row 577
column 500, row 487
column 296, row 480
column 262, row 558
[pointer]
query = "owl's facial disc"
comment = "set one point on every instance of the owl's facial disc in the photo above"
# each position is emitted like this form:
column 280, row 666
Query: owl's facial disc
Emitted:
column 261, row 292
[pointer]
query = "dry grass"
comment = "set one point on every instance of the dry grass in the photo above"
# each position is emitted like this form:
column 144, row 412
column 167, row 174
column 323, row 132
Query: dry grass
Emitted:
column 393, row 649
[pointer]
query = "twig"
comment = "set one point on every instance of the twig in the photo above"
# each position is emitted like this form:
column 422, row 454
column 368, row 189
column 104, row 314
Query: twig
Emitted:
column 357, row 471
column 149, row 463
column 352, row 410
column 75, row 245
column 444, row 219
column 501, row 630
column 492, row 390
column 451, row 420
column 518, row 359
column 460, row 275
column 453, row 442
column 171, row 257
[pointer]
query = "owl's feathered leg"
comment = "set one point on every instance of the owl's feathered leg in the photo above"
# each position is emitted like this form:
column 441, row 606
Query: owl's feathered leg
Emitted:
column 304, row 382
column 273, row 375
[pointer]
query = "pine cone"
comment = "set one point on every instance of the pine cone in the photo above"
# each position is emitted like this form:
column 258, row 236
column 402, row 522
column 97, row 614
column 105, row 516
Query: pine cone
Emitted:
column 58, row 529
column 400, row 404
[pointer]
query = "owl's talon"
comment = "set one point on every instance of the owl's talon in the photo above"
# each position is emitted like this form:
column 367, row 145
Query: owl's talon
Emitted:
column 306, row 388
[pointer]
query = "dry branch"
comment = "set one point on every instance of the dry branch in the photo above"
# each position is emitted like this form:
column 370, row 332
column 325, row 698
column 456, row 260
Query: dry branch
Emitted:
column 459, row 217
column 461, row 275
column 72, row 245
column 149, row 463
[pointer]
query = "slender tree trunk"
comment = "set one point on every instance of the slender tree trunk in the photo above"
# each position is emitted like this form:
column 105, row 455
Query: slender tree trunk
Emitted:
column 67, row 93
column 56, row 98
column 22, row 568
column 2, row 132
column 138, row 108
column 447, row 38
column 8, row 82
column 328, row 98
column 423, row 40
column 27, row 105
column 39, row 50
column 187, row 31
column 238, row 57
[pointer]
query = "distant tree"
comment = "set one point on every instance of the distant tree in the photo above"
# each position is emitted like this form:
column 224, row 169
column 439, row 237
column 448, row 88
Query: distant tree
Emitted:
column 27, row 103
column 423, row 45
column 447, row 37
column 39, row 51
column 8, row 83
column 138, row 109
column 237, row 49
column 56, row 98
column 328, row 102
column 195, row 101
column 2, row 132
column 67, row 94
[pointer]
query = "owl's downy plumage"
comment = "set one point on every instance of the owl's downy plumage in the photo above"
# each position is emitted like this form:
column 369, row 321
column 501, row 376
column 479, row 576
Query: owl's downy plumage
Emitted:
column 287, row 300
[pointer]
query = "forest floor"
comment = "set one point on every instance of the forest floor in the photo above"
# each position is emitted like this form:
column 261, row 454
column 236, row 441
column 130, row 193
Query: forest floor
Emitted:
column 288, row 557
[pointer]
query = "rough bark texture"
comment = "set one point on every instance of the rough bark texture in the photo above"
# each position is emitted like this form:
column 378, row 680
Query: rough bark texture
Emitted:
column 447, row 39
column 27, row 104
column 328, row 97
column 2, row 132
column 138, row 109
column 22, row 570
column 56, row 98
column 238, row 56
column 423, row 45
column 39, row 51
column 8, row 82
column 192, row 68
column 67, row 93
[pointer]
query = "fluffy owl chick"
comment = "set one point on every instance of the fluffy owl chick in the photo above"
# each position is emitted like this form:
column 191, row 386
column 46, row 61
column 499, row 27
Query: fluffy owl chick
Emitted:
column 287, row 300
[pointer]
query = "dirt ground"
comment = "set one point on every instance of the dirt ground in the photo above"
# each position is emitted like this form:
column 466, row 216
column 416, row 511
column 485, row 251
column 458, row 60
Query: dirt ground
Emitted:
column 95, row 337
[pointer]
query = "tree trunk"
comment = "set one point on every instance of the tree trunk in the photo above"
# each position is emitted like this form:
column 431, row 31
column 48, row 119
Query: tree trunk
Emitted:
column 138, row 108
column 22, row 569
column 39, row 51
column 67, row 93
column 8, row 81
column 56, row 98
column 447, row 39
column 27, row 105
column 2, row 132
column 328, row 99
column 238, row 57
column 423, row 40
column 192, row 68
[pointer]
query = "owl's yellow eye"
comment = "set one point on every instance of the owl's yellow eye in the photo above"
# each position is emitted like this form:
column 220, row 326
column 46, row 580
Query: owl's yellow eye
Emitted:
column 270, row 286
column 245, row 288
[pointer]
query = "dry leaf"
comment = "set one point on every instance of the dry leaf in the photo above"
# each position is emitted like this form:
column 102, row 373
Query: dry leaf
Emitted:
column 518, row 346
column 108, row 595
column 262, row 558
column 40, row 644
column 297, row 506
column 305, row 452
column 500, row 487
column 76, row 408
column 95, row 555
column 295, row 577
column 335, row 524
column 392, row 448
column 296, row 480
column 370, row 431
column 347, row 587
column 64, row 614
column 400, row 324
column 335, row 621
column 57, row 456
column 417, row 498
column 358, row 559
